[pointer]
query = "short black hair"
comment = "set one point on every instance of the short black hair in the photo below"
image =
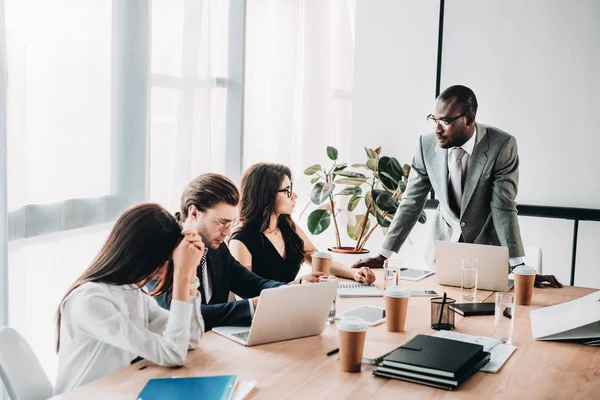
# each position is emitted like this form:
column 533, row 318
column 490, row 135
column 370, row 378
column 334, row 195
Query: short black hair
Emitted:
column 463, row 95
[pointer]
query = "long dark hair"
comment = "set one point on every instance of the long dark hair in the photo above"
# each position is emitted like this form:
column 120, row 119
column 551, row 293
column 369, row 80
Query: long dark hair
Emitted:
column 141, row 241
column 259, row 187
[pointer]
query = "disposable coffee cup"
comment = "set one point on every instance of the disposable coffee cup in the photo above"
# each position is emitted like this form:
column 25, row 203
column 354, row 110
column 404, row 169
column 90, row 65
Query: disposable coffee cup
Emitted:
column 396, row 307
column 321, row 262
column 524, row 282
column 352, row 332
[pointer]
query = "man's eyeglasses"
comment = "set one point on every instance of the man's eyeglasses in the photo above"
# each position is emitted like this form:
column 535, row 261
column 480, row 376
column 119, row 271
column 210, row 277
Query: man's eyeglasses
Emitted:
column 445, row 122
column 224, row 225
column 288, row 191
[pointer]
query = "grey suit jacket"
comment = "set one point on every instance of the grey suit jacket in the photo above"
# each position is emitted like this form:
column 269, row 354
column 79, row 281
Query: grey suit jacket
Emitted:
column 488, row 212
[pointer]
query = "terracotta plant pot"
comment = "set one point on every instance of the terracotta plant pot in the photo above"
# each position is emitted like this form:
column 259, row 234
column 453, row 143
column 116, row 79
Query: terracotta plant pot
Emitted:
column 347, row 250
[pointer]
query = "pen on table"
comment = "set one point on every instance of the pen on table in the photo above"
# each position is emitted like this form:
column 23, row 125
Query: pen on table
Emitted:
column 332, row 352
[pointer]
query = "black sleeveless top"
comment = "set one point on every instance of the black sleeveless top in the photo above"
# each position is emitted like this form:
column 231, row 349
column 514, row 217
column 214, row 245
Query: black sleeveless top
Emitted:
column 266, row 260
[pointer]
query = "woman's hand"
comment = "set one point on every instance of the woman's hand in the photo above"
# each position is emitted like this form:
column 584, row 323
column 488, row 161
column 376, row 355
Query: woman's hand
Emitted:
column 365, row 275
column 187, row 255
column 312, row 277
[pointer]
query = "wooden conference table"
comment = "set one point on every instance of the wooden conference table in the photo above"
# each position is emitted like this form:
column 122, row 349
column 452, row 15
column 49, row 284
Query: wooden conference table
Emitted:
column 300, row 369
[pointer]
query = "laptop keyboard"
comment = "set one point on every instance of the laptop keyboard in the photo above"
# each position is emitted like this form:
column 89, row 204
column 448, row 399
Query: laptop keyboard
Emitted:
column 242, row 335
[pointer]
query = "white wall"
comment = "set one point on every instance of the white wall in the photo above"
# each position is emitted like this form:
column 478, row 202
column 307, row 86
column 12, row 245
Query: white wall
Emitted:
column 533, row 66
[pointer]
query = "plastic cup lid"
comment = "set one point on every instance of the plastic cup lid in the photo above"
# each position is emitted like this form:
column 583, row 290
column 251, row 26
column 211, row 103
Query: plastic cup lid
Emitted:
column 397, row 291
column 322, row 254
column 352, row 324
column 524, row 270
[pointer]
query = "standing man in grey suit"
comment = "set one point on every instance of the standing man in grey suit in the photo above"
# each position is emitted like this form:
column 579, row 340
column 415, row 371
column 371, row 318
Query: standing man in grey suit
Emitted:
column 474, row 171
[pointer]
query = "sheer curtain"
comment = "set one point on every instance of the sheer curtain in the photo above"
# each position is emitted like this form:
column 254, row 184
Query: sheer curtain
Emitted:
column 299, row 81
column 188, row 94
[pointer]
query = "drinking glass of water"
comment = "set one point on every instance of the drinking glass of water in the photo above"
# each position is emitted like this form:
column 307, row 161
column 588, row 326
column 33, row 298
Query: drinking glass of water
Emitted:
column 504, row 316
column 468, row 285
column 332, row 309
column 391, row 273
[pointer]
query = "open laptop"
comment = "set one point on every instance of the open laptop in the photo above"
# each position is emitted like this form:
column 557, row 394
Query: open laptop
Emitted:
column 286, row 312
column 492, row 265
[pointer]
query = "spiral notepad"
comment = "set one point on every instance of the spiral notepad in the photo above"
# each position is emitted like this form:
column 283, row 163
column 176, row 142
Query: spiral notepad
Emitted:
column 358, row 290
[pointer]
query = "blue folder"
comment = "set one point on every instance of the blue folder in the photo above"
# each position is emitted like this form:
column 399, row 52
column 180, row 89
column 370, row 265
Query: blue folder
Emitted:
column 203, row 387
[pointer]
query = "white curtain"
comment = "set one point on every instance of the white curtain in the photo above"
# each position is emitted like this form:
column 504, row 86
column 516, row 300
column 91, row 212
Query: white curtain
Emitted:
column 188, row 94
column 299, row 81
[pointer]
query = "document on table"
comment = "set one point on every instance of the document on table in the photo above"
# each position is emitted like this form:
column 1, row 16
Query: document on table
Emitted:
column 499, row 352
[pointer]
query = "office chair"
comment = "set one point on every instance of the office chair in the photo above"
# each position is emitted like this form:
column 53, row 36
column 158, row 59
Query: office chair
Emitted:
column 533, row 257
column 20, row 371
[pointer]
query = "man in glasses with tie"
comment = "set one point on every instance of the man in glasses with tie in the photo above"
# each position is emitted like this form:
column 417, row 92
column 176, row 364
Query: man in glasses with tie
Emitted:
column 474, row 172
column 209, row 205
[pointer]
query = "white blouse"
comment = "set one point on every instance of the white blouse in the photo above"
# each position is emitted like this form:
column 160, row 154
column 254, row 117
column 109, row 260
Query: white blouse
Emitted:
column 104, row 327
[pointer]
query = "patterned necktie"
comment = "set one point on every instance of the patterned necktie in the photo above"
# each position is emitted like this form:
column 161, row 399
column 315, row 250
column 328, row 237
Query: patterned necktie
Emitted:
column 201, row 269
column 456, row 179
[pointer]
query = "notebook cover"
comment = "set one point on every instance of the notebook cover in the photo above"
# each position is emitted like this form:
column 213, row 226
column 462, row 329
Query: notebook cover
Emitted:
column 463, row 375
column 203, row 387
column 471, row 309
column 358, row 290
column 433, row 355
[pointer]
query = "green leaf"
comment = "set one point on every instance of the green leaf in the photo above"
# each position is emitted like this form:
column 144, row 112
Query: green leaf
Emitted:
column 406, row 170
column 370, row 153
column 318, row 221
column 422, row 217
column 314, row 179
column 359, row 165
column 350, row 174
column 385, row 201
column 367, row 197
column 332, row 153
column 339, row 167
column 353, row 230
column 391, row 166
column 313, row 169
column 353, row 202
column 402, row 185
column 355, row 190
column 372, row 164
column 351, row 181
column 321, row 192
column 382, row 222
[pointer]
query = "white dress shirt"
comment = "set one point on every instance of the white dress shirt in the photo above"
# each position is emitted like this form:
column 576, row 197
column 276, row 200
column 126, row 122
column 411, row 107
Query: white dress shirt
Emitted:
column 104, row 327
column 468, row 147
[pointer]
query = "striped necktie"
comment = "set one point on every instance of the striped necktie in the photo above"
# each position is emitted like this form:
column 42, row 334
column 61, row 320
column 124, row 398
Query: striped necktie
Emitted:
column 201, row 269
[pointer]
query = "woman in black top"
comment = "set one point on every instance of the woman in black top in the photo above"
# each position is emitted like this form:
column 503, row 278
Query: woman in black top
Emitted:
column 268, row 241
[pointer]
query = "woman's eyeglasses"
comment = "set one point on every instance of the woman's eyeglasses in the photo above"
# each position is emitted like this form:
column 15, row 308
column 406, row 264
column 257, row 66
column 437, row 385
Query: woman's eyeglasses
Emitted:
column 288, row 191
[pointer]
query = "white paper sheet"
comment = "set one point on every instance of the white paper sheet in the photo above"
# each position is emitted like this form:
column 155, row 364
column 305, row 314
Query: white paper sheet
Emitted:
column 499, row 352
column 577, row 319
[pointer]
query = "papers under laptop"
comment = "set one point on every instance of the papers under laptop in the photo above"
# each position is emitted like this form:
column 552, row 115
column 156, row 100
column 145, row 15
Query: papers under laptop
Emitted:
column 492, row 265
column 286, row 312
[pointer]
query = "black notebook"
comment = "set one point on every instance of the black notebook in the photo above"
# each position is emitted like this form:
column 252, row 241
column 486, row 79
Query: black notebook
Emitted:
column 435, row 356
column 470, row 309
column 434, row 380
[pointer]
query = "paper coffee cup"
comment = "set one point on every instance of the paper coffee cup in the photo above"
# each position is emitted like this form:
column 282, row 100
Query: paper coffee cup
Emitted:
column 396, row 307
column 352, row 332
column 524, row 277
column 321, row 262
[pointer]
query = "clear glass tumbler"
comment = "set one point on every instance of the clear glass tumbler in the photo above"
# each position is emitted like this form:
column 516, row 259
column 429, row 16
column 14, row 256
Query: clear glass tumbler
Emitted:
column 468, row 283
column 504, row 316
column 332, row 310
column 391, row 273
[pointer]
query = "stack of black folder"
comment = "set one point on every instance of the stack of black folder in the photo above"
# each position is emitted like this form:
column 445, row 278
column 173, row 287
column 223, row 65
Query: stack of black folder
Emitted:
column 433, row 361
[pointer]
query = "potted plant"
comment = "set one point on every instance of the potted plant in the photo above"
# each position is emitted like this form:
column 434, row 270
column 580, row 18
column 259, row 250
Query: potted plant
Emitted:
column 377, row 193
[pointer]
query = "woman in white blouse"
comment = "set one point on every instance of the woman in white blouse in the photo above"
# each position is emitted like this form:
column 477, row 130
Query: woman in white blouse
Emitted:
column 106, row 319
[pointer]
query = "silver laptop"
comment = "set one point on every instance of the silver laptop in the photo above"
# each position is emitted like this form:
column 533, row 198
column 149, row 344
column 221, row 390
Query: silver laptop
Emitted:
column 492, row 265
column 286, row 312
